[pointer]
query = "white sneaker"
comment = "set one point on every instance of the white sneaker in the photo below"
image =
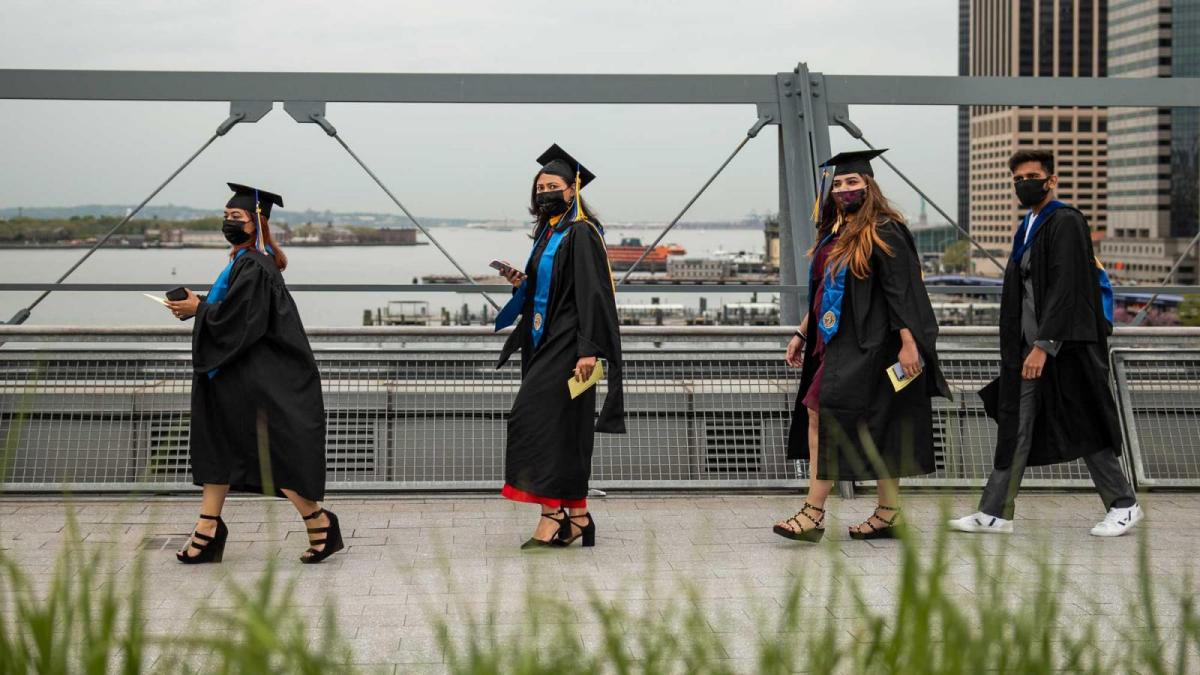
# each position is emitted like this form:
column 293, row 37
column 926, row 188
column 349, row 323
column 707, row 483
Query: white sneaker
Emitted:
column 1118, row 522
column 981, row 522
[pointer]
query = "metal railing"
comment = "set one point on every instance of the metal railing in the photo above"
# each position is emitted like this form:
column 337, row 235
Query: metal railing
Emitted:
column 802, row 104
column 424, row 409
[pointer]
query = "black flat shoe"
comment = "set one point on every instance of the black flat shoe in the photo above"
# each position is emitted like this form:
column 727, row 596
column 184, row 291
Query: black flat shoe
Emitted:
column 533, row 543
column 332, row 540
column 586, row 532
column 803, row 533
column 890, row 529
column 211, row 549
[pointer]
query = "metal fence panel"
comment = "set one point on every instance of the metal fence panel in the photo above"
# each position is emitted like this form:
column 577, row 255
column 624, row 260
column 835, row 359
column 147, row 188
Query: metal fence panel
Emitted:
column 1160, row 408
column 433, row 416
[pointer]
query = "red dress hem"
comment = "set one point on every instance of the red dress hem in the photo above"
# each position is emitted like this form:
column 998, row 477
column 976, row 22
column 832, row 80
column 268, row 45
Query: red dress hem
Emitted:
column 518, row 495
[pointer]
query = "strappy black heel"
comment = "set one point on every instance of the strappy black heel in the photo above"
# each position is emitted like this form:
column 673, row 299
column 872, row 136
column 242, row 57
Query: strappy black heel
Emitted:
column 888, row 531
column 332, row 540
column 211, row 549
column 801, row 533
column 563, row 524
column 586, row 532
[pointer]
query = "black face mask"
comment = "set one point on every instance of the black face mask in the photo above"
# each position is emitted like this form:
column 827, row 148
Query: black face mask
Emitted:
column 851, row 200
column 234, row 234
column 550, row 203
column 1031, row 191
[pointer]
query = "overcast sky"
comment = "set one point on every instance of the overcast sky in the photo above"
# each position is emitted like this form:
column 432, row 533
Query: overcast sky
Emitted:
column 461, row 161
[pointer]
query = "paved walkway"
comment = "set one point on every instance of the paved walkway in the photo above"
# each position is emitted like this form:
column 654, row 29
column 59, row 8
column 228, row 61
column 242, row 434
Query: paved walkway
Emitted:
column 413, row 558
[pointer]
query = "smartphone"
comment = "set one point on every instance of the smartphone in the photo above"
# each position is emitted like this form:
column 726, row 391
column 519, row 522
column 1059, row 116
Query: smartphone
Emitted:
column 899, row 369
column 504, row 268
column 177, row 294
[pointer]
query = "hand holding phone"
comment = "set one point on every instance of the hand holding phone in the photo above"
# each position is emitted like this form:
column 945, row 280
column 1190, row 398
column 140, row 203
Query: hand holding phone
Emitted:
column 506, row 270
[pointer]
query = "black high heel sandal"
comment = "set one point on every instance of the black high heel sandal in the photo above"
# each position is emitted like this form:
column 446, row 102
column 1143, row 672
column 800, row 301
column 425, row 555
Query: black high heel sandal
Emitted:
column 888, row 531
column 587, row 532
column 535, row 543
column 211, row 550
column 333, row 539
column 801, row 533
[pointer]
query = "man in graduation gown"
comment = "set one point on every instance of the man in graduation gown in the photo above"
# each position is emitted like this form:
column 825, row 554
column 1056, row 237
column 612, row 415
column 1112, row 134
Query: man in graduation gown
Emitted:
column 1052, row 401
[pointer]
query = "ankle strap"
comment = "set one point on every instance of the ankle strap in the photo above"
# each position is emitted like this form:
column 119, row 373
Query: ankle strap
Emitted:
column 810, row 506
column 314, row 514
column 208, row 517
column 881, row 507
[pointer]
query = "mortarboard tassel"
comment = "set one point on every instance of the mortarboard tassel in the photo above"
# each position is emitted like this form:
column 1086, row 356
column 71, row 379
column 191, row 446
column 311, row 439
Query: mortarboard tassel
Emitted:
column 579, row 213
column 259, row 244
column 816, row 210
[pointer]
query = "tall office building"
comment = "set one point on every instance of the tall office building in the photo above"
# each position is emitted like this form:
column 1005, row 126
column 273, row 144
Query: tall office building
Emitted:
column 1038, row 38
column 1154, row 181
column 964, row 118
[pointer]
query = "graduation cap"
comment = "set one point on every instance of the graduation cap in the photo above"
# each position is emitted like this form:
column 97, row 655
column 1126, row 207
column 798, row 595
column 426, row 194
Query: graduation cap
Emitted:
column 556, row 162
column 252, row 199
column 858, row 161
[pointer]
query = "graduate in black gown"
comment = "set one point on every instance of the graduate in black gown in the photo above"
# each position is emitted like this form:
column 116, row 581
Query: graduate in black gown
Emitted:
column 1052, row 401
column 567, row 304
column 868, row 310
column 258, row 418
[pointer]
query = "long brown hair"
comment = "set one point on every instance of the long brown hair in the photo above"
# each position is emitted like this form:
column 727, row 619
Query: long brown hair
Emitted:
column 858, row 234
column 277, row 254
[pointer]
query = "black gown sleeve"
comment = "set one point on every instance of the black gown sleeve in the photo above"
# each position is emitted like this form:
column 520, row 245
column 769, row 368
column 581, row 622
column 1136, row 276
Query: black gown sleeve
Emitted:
column 899, row 275
column 599, row 329
column 225, row 330
column 908, row 302
column 1067, row 306
column 594, row 296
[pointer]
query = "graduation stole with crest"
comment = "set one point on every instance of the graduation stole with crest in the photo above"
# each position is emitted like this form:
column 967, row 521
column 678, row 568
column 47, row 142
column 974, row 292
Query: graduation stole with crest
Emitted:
column 833, row 291
column 1022, row 241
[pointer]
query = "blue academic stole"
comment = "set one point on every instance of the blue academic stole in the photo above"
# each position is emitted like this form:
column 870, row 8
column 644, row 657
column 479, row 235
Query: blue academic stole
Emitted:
column 219, row 289
column 1106, row 292
column 1022, row 242
column 831, row 297
column 541, row 292
column 541, row 295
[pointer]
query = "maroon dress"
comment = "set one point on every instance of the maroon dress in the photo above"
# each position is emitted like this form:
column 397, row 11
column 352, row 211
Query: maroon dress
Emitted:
column 820, row 259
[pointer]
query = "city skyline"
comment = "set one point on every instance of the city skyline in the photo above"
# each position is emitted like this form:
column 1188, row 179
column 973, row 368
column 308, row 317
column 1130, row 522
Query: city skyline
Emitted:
column 1153, row 154
column 1042, row 38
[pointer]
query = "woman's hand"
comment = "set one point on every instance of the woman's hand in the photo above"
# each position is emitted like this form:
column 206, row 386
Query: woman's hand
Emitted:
column 186, row 308
column 512, row 274
column 795, row 352
column 910, row 358
column 584, row 367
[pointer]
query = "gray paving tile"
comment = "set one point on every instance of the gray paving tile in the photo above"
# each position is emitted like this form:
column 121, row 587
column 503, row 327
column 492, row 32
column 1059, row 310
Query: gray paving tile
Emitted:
column 414, row 562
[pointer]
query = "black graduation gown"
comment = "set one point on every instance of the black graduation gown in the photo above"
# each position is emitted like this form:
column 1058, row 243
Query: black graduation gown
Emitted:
column 1076, row 411
column 550, row 436
column 856, row 393
column 267, row 391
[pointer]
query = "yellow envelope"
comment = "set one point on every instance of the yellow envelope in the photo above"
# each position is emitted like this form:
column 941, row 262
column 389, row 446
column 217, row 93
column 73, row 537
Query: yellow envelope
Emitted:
column 578, row 387
column 156, row 299
column 898, row 383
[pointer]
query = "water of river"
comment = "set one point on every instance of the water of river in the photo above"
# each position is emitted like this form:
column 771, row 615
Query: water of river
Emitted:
column 474, row 248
